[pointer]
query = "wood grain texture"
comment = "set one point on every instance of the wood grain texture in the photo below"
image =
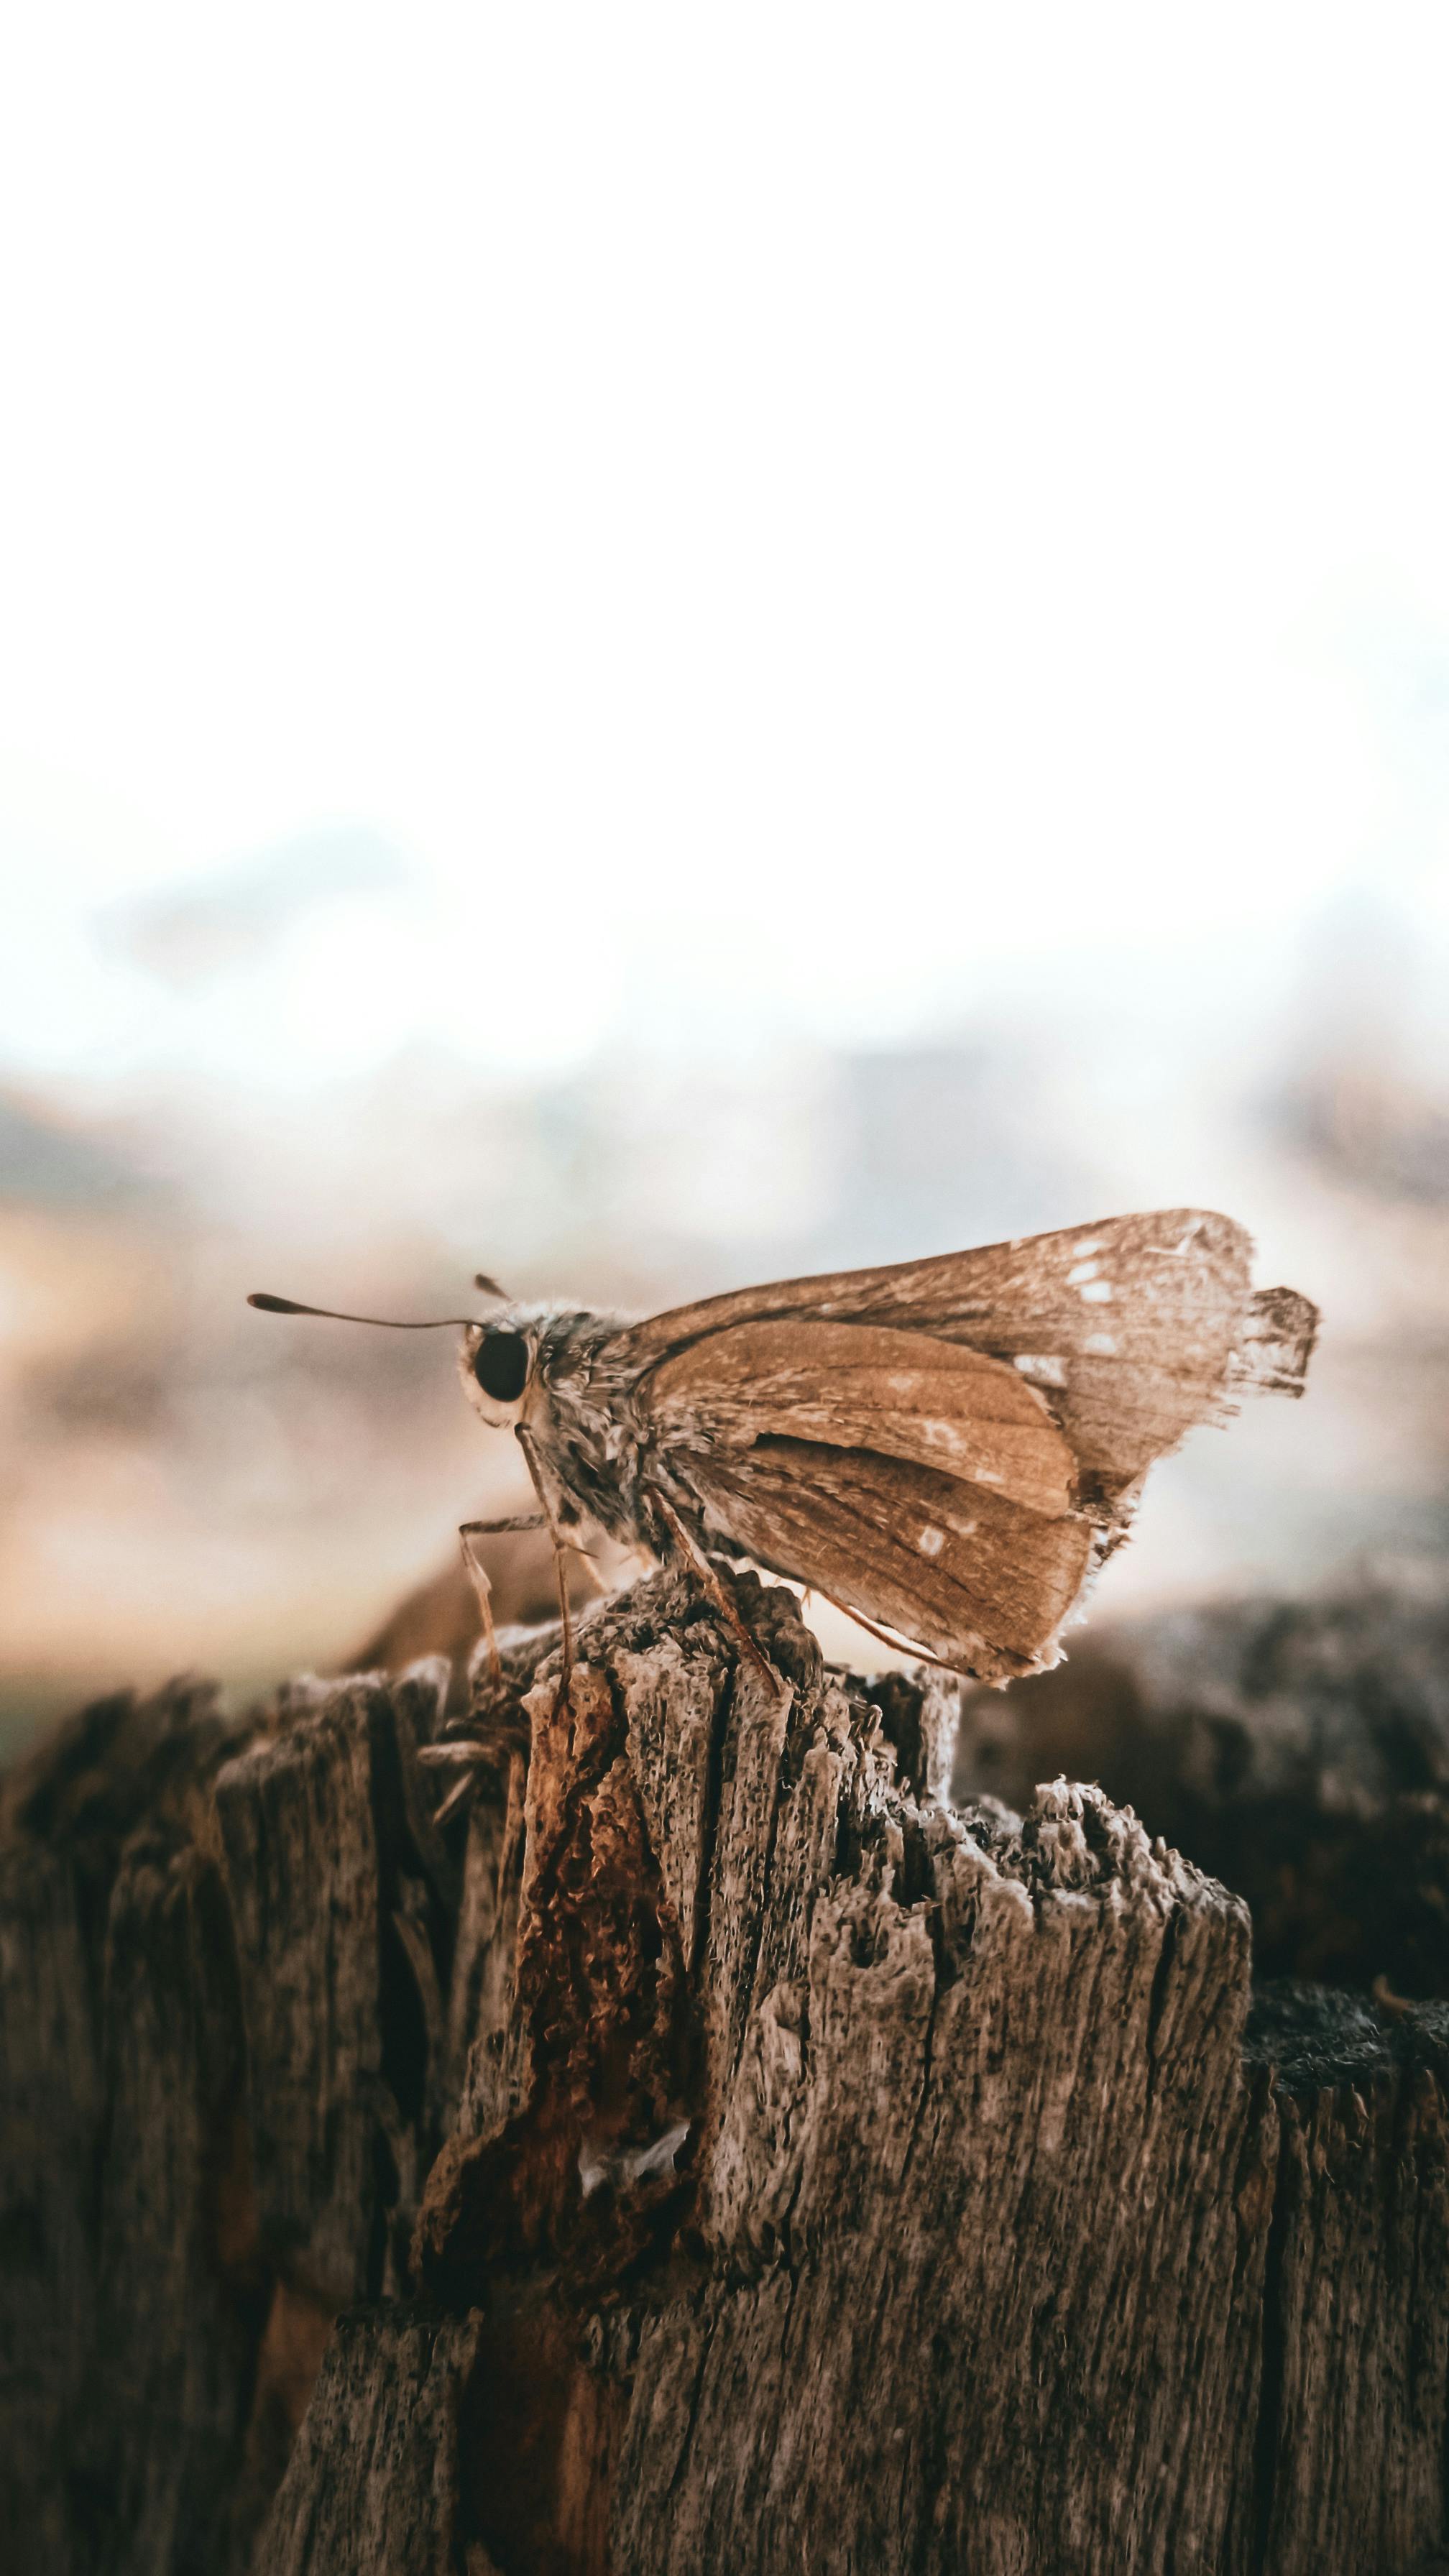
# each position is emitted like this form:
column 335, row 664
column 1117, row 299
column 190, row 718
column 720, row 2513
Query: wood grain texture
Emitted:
column 808, row 2173
column 304, row 1876
column 121, row 2343
column 1358, row 2355
column 178, row 2287
column 50, row 2089
column 987, row 2202
column 962, row 2109
column 373, row 2486
column 341, row 1941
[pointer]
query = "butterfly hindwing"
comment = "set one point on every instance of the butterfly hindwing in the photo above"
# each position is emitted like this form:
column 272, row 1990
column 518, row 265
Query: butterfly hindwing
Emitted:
column 977, row 1579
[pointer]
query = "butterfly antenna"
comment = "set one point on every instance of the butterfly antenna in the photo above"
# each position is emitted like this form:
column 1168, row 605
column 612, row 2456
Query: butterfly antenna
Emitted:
column 333, row 1315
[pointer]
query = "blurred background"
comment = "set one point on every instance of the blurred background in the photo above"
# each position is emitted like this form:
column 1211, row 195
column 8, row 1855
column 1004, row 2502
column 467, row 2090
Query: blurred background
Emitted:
column 648, row 648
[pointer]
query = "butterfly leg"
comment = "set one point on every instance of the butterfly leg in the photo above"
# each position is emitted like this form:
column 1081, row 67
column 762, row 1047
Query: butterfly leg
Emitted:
column 560, row 1567
column 585, row 1558
column 709, row 1580
column 477, row 1574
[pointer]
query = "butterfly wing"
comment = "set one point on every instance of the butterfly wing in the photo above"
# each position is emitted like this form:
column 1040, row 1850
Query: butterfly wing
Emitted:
column 909, row 1478
column 1133, row 1329
column 979, row 1580
column 949, row 1446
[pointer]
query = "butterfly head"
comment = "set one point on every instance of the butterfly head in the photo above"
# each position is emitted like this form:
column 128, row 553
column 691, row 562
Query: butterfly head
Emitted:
column 497, row 1363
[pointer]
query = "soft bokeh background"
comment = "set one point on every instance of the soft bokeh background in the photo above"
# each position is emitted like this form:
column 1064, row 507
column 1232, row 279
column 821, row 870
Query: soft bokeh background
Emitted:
column 645, row 647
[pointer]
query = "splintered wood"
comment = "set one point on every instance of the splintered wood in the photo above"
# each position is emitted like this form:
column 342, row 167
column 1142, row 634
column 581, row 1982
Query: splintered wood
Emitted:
column 742, row 2158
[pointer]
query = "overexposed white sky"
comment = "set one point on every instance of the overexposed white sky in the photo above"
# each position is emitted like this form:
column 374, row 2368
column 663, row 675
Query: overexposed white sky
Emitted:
column 767, row 518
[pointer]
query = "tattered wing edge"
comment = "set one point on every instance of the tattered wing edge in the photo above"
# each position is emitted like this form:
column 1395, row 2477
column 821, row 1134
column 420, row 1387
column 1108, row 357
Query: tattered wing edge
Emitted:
column 1278, row 1337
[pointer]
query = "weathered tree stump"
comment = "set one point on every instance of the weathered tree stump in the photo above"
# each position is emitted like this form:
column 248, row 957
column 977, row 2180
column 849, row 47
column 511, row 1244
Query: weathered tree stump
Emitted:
column 648, row 2128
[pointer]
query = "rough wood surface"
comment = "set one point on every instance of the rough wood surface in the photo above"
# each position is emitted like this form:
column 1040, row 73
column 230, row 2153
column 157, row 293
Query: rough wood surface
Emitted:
column 744, row 2157
column 1358, row 2311
column 375, row 2480
column 339, row 1904
column 1299, row 1750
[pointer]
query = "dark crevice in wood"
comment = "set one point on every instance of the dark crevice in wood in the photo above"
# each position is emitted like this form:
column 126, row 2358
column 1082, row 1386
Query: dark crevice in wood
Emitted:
column 923, row 2095
column 723, row 1719
column 402, row 2019
column 1268, row 2429
column 1156, row 2002
column 539, row 2461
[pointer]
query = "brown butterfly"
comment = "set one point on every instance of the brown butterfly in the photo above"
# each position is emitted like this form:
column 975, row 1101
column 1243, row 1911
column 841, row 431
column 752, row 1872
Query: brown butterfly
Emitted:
column 946, row 1449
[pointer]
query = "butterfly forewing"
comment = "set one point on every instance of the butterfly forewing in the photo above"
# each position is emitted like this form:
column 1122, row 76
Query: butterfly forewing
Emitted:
column 863, row 1386
column 1127, row 1327
column 978, row 1580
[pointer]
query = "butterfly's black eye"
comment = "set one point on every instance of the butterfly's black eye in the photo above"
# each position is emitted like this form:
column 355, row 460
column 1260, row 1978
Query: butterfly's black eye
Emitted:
column 500, row 1365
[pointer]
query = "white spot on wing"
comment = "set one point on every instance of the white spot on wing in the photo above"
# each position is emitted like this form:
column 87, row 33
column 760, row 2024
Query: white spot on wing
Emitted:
column 1096, row 1292
column 1083, row 1251
column 1079, row 1271
column 1044, row 1369
column 1101, row 1346
column 931, row 1541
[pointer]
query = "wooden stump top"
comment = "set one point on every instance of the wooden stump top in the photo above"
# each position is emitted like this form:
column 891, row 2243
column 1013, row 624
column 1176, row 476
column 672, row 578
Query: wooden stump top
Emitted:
column 650, row 2127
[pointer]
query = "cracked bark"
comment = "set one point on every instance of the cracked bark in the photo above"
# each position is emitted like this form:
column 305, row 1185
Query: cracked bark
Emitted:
column 705, row 2147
